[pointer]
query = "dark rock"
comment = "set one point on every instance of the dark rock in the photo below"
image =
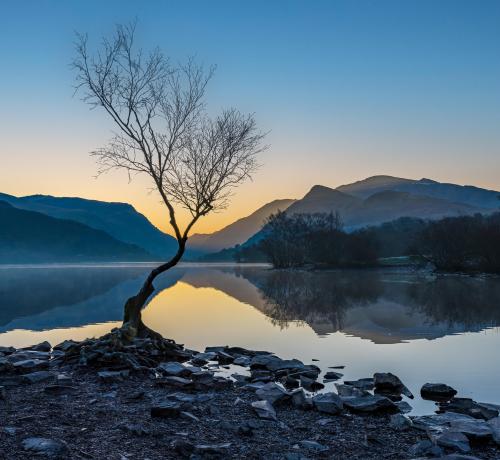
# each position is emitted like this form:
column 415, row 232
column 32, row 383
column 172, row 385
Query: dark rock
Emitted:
column 112, row 376
column 44, row 447
column 425, row 448
column 387, row 383
column 3, row 393
column 400, row 423
column 494, row 424
column 224, row 358
column 59, row 389
column 437, row 392
column 264, row 410
column 313, row 445
column 166, row 409
column 182, row 447
column 7, row 350
column 38, row 376
column 310, row 384
column 330, row 375
column 273, row 393
column 469, row 407
column 66, row 345
column 203, row 358
column 362, row 384
column 329, row 403
column 5, row 365
column 403, row 407
column 174, row 368
column 375, row 403
column 211, row 450
column 453, row 440
column 298, row 398
column 349, row 390
column 30, row 365
column 43, row 346
column 242, row 361
column 26, row 355
column 475, row 430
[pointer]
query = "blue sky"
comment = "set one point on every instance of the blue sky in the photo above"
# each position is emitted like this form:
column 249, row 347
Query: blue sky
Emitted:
column 348, row 89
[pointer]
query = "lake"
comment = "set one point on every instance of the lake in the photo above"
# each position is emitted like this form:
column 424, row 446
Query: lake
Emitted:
column 422, row 327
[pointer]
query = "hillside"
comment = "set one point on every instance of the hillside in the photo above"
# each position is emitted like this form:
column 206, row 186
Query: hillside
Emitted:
column 237, row 232
column 32, row 237
column 120, row 220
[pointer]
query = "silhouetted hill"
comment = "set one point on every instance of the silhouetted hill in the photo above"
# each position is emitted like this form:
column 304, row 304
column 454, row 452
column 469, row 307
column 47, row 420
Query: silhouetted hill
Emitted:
column 465, row 194
column 237, row 232
column 30, row 237
column 119, row 220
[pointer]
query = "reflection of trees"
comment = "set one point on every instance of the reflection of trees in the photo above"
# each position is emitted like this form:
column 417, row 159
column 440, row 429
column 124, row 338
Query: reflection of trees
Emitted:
column 467, row 301
column 316, row 297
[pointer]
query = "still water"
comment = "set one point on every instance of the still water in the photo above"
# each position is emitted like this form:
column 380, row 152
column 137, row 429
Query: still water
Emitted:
column 423, row 328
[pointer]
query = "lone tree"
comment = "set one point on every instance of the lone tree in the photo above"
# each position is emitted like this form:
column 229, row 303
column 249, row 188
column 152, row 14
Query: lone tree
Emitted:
column 164, row 131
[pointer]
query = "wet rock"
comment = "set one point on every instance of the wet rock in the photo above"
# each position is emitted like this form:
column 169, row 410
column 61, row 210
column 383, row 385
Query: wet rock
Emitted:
column 242, row 361
column 425, row 448
column 361, row 384
column 30, row 365
column 43, row 447
column 349, row 390
column 453, row 440
column 310, row 384
column 201, row 359
column 469, row 407
column 403, row 407
column 43, row 346
column 204, row 381
column 291, row 382
column 273, row 393
column 438, row 422
column 112, row 376
column 313, row 445
column 64, row 379
column 38, row 376
column 330, row 403
column 331, row 375
column 400, row 423
column 224, row 358
column 437, row 392
column 264, row 410
column 369, row 403
column 166, row 409
column 475, row 430
column 389, row 384
column 174, row 369
column 494, row 424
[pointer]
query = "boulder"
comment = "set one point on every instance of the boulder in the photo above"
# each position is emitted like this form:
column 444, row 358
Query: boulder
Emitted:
column 310, row 384
column 264, row 410
column 437, row 392
column 369, row 403
column 30, row 365
column 475, row 430
column 469, row 407
column 438, row 422
column 403, row 407
column 243, row 361
column 201, row 359
column 44, row 447
column 387, row 383
column 43, row 346
column 349, row 390
column 298, row 398
column 329, row 403
column 361, row 384
column 273, row 393
column 453, row 440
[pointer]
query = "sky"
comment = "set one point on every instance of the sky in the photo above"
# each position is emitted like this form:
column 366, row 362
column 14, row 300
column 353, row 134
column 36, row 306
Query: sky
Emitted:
column 347, row 89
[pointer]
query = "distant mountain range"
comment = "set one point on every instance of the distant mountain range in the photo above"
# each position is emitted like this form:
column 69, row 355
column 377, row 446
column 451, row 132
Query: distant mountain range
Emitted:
column 28, row 237
column 116, row 231
column 119, row 220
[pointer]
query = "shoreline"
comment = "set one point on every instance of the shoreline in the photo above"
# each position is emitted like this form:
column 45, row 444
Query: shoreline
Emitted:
column 128, row 400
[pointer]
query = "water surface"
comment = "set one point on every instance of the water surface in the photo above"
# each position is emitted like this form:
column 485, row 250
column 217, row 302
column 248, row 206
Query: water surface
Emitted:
column 423, row 328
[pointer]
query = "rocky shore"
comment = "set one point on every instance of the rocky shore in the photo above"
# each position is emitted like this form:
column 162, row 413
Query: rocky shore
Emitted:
column 115, row 398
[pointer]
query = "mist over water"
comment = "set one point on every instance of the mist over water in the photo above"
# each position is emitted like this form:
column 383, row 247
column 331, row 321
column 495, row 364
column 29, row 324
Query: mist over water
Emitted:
column 424, row 328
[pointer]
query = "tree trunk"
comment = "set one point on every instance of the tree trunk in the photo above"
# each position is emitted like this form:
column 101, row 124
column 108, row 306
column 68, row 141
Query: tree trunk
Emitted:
column 132, row 316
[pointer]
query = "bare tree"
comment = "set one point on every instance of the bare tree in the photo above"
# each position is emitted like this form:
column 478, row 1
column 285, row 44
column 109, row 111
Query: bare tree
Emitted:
column 163, row 131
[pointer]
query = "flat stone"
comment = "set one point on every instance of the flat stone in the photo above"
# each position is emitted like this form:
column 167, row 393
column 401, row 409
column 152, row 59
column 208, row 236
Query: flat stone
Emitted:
column 329, row 403
column 331, row 375
column 453, row 440
column 264, row 410
column 51, row 448
column 375, row 403
column 174, row 369
column 166, row 409
column 473, row 429
column 31, row 365
column 38, row 376
column 177, row 382
column 403, row 407
column 43, row 346
column 385, row 382
column 349, row 390
column 203, row 358
column 437, row 392
column 469, row 407
column 310, row 384
column 362, row 384
column 273, row 393
column 112, row 376
column 242, row 361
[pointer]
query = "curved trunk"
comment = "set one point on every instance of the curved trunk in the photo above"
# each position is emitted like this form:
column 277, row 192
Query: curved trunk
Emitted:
column 132, row 316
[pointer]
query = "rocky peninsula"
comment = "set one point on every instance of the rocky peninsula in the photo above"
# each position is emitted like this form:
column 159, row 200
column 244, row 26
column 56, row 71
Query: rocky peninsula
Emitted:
column 121, row 398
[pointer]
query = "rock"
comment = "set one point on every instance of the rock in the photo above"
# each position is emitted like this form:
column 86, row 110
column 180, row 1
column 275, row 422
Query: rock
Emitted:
column 362, row 384
column 10, row 430
column 438, row 422
column 64, row 379
column 291, row 382
column 387, row 383
column 135, row 428
column 66, row 345
column 329, row 403
column 242, row 361
column 298, row 398
column 44, row 447
column 43, row 346
column 369, row 403
column 189, row 416
column 313, row 445
column 330, row 375
column 425, row 448
column 403, row 407
column 264, row 410
column 469, row 407
column 30, row 365
column 310, row 384
column 5, row 365
column 224, row 358
column 174, row 368
column 112, row 376
column 59, row 389
column 453, row 440
column 7, row 350
column 210, row 450
column 38, row 376
column 166, row 409
column 475, row 430
column 349, row 390
column 400, row 423
column 203, row 358
column 273, row 393
column 437, row 392
column 494, row 424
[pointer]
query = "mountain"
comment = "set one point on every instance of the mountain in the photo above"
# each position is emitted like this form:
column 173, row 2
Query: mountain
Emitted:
column 120, row 220
column 237, row 232
column 465, row 194
column 31, row 237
